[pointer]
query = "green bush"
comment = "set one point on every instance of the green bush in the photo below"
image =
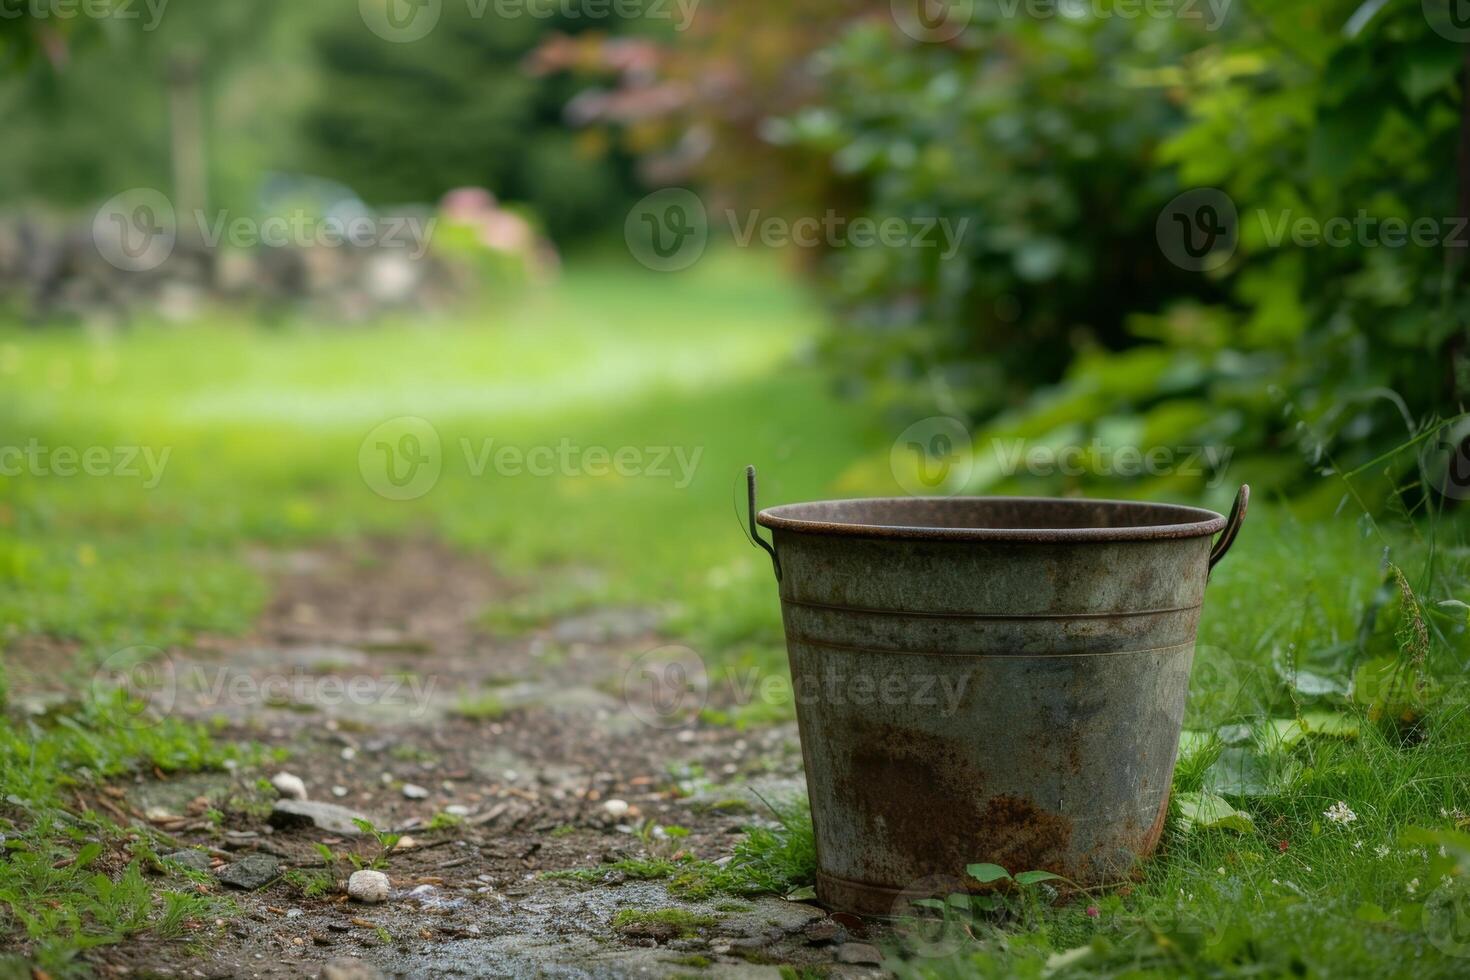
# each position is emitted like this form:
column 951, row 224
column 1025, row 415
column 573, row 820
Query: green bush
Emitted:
column 1063, row 142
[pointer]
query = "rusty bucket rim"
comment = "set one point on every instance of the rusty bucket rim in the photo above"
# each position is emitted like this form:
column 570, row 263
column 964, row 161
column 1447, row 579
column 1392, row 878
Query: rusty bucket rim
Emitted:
column 1194, row 522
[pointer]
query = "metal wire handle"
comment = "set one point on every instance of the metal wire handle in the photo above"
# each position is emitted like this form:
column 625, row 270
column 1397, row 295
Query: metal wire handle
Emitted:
column 1232, row 525
column 755, row 534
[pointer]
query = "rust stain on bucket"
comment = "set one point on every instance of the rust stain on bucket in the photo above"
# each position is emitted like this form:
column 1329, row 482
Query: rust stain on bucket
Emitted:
column 995, row 680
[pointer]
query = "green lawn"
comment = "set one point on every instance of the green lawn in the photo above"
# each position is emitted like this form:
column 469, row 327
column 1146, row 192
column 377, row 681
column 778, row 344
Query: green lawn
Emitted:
column 266, row 436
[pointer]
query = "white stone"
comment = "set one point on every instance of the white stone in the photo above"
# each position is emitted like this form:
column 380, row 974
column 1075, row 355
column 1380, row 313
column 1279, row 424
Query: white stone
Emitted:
column 414, row 791
column 616, row 808
column 289, row 786
column 339, row 791
column 368, row 886
column 457, row 810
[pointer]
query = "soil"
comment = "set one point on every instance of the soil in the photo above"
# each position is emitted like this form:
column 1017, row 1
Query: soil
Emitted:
column 370, row 668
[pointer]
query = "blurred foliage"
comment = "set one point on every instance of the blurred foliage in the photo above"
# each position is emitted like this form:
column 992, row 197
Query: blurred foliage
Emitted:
column 89, row 117
column 297, row 89
column 1032, row 132
column 1062, row 134
column 406, row 122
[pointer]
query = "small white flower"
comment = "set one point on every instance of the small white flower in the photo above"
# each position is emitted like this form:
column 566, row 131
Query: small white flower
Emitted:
column 1339, row 812
column 1445, row 880
column 1381, row 850
column 1221, row 870
column 1412, row 886
column 1357, row 845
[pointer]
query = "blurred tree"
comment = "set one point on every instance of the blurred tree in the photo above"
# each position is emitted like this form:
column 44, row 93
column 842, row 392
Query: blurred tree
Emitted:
column 409, row 121
column 92, row 118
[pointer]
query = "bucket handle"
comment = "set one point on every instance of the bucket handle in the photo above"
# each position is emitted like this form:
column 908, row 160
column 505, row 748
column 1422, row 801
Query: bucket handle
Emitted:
column 755, row 534
column 1232, row 525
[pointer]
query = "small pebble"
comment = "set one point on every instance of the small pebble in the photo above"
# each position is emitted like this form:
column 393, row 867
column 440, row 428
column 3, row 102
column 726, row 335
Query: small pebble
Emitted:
column 289, row 786
column 368, row 886
column 457, row 810
column 414, row 791
column 616, row 808
column 339, row 791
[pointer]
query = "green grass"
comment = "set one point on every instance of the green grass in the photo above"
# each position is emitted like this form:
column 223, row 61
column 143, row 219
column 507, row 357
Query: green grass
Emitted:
column 55, row 898
column 263, row 430
column 483, row 706
column 671, row 923
column 239, row 437
column 1298, row 893
column 777, row 858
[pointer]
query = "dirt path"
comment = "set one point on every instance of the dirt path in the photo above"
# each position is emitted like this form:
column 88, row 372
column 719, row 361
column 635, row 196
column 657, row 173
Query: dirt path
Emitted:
column 369, row 668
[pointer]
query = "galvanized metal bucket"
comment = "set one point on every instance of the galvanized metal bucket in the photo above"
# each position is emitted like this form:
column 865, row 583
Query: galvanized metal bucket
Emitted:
column 994, row 680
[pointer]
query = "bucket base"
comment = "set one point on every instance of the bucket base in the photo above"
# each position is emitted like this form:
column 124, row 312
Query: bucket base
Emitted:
column 861, row 898
column 885, row 902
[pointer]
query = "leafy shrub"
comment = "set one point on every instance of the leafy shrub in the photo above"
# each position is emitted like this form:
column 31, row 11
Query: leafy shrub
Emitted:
column 1064, row 141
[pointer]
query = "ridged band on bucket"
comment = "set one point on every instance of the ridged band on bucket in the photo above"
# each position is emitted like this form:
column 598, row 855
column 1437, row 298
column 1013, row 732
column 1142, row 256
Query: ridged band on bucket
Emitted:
column 994, row 680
